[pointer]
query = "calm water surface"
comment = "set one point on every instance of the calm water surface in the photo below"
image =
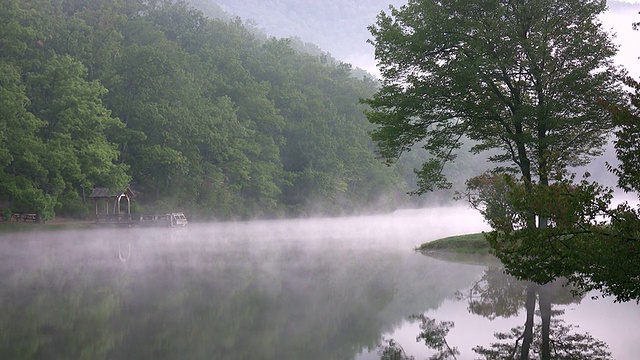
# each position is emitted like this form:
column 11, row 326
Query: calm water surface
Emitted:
column 294, row 289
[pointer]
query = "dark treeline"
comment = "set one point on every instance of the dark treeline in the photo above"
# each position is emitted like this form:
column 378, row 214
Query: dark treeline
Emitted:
column 195, row 113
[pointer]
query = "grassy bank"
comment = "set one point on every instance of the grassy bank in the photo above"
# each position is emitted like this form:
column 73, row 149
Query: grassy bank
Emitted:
column 470, row 249
column 55, row 224
column 466, row 244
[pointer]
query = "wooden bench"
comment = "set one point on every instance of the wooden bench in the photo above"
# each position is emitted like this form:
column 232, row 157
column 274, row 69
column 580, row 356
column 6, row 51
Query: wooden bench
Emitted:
column 19, row 216
column 31, row 217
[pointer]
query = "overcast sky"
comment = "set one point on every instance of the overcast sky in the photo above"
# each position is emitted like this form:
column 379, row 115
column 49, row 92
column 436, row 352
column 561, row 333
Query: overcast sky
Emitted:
column 619, row 19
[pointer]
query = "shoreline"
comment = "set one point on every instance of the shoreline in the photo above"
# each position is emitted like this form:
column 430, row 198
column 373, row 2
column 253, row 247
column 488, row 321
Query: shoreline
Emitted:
column 53, row 224
column 471, row 249
column 474, row 243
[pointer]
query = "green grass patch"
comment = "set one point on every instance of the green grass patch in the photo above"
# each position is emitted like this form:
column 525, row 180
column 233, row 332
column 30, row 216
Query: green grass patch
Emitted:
column 30, row 226
column 467, row 244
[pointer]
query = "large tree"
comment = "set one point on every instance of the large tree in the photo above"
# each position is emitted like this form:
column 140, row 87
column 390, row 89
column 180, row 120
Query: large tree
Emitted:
column 594, row 244
column 521, row 77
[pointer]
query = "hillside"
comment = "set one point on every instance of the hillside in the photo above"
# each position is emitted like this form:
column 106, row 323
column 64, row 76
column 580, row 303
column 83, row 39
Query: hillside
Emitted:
column 194, row 113
column 338, row 27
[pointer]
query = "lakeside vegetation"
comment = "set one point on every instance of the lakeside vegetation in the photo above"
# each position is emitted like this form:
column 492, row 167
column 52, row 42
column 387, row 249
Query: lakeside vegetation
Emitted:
column 468, row 244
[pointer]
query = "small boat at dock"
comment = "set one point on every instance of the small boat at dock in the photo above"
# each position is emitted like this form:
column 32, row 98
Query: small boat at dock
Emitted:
column 176, row 219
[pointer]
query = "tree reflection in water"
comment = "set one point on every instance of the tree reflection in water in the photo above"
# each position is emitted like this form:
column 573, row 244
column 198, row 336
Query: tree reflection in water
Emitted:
column 497, row 294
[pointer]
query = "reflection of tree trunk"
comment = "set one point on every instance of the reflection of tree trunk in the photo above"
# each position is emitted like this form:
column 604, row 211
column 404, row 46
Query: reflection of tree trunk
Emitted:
column 545, row 313
column 527, row 336
column 544, row 299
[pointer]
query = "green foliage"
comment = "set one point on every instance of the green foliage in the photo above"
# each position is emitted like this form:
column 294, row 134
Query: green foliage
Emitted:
column 53, row 121
column 391, row 350
column 195, row 113
column 586, row 241
column 531, row 95
column 627, row 119
column 471, row 243
column 489, row 194
column 528, row 80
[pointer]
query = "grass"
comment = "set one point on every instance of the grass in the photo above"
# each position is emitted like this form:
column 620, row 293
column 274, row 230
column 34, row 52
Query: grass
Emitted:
column 466, row 244
column 53, row 225
column 470, row 249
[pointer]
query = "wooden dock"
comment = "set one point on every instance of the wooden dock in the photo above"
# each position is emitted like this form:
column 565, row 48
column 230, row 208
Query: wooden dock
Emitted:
column 117, row 219
column 157, row 220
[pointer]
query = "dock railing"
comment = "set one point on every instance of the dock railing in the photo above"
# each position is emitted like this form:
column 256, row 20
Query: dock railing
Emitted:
column 117, row 219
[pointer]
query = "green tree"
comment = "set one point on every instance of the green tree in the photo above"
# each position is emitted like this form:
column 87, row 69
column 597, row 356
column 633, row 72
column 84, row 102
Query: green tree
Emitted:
column 519, row 77
column 593, row 243
column 326, row 152
column 21, row 152
column 76, row 152
column 54, row 123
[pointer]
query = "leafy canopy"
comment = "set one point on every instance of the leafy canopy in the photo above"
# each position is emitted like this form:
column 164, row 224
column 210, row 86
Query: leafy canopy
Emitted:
column 527, row 80
column 520, row 77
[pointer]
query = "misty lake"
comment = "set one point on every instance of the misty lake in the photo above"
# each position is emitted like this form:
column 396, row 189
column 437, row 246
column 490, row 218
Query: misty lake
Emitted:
column 285, row 289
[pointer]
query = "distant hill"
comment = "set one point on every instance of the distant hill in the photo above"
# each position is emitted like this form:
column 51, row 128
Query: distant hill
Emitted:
column 338, row 27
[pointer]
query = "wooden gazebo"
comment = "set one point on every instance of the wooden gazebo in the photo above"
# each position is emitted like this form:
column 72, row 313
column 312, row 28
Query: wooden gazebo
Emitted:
column 112, row 206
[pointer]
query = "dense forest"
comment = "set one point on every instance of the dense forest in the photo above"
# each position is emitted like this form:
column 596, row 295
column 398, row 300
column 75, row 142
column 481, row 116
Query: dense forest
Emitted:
column 193, row 113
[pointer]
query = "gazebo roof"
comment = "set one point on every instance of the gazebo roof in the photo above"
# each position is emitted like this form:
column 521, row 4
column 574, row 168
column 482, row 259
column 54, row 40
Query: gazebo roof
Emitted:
column 103, row 192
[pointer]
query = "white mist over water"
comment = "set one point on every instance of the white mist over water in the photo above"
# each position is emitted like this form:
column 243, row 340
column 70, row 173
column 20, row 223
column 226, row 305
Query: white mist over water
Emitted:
column 413, row 226
column 288, row 289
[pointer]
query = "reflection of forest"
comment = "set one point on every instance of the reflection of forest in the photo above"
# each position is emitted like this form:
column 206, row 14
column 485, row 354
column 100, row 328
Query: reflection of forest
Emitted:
column 500, row 295
column 157, row 294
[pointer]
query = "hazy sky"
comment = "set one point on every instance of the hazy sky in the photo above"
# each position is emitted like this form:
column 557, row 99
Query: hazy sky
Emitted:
column 619, row 19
